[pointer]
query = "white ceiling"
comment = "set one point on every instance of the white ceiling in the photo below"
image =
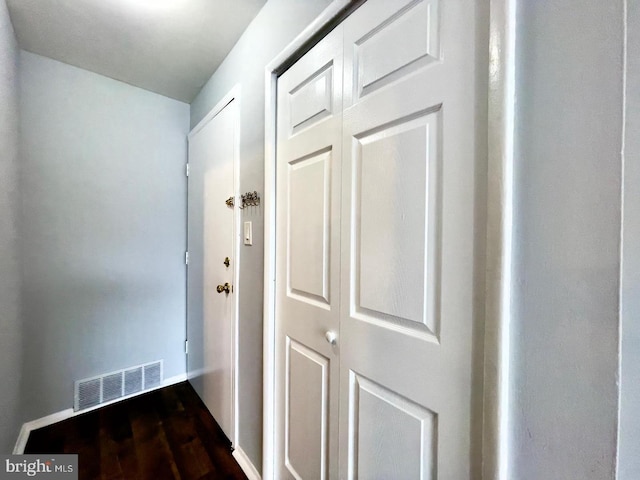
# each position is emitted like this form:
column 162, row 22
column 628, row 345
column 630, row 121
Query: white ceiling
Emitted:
column 170, row 47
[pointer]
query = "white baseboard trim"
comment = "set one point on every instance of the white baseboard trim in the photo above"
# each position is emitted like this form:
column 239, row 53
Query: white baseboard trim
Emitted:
column 195, row 373
column 248, row 468
column 27, row 427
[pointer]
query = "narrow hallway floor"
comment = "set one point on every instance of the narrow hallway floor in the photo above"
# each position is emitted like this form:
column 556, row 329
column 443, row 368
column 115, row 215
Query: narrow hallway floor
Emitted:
column 164, row 434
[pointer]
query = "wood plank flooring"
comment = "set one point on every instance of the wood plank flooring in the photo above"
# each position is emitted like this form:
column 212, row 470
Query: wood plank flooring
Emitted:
column 164, row 434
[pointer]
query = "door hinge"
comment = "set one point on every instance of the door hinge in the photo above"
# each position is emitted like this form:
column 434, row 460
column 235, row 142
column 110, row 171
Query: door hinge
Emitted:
column 187, row 170
column 186, row 258
column 186, row 347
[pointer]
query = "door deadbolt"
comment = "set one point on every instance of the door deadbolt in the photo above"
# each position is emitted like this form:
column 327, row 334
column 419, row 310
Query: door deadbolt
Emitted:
column 226, row 288
column 227, row 262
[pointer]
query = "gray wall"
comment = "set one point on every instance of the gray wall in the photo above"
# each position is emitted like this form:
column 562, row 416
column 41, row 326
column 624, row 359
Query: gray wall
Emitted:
column 567, row 234
column 10, row 328
column 629, row 454
column 103, row 229
column 277, row 24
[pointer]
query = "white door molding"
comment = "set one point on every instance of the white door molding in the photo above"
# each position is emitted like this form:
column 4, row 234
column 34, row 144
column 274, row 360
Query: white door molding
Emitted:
column 501, row 97
column 233, row 94
column 501, row 132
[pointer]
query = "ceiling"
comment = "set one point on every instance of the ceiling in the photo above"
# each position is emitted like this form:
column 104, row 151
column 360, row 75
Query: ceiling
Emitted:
column 170, row 47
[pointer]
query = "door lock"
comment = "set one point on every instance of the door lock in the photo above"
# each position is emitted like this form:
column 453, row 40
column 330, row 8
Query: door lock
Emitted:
column 227, row 262
column 226, row 288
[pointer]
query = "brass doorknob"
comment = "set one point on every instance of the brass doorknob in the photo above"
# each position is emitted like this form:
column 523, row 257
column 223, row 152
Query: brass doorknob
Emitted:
column 226, row 288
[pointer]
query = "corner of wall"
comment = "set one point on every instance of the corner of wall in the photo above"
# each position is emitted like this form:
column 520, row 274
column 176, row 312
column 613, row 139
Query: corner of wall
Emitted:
column 10, row 314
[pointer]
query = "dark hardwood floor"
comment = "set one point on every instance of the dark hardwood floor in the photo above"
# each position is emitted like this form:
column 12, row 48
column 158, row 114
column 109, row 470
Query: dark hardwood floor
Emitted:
column 164, row 434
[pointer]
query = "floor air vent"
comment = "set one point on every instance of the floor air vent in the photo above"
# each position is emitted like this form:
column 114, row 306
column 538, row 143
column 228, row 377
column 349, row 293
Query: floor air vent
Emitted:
column 132, row 380
column 152, row 374
column 113, row 385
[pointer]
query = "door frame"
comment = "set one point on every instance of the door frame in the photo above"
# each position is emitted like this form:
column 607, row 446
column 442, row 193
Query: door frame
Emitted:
column 499, row 226
column 232, row 96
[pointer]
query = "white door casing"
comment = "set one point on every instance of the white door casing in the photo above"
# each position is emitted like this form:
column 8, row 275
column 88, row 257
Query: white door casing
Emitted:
column 212, row 238
column 408, row 222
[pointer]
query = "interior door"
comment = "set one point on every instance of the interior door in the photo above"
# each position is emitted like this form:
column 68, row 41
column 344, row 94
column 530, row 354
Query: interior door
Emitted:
column 376, row 241
column 211, row 310
column 308, row 263
column 410, row 160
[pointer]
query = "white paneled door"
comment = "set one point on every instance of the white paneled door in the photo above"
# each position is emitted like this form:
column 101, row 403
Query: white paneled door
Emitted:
column 211, row 303
column 377, row 168
column 308, row 262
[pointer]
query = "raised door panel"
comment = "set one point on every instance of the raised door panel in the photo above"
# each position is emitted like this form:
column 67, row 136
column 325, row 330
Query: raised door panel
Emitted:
column 395, row 211
column 391, row 436
column 309, row 229
column 312, row 100
column 306, row 412
column 394, row 41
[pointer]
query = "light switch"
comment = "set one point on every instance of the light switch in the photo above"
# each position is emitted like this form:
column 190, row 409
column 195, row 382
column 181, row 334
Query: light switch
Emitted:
column 248, row 234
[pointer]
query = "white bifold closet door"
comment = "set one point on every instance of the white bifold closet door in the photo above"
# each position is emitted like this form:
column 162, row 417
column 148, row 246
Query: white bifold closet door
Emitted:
column 308, row 262
column 377, row 171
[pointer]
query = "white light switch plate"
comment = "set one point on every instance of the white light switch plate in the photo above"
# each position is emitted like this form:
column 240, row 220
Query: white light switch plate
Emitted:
column 248, row 234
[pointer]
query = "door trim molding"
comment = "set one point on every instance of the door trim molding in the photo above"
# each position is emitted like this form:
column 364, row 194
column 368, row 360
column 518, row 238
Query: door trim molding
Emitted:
column 245, row 463
column 501, row 124
column 234, row 95
column 499, row 255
